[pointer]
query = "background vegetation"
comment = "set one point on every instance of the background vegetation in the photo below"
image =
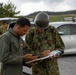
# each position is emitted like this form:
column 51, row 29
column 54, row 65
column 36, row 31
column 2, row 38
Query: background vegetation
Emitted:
column 9, row 10
column 54, row 18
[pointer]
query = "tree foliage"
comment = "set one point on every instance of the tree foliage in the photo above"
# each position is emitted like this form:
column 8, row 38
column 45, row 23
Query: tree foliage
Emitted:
column 8, row 10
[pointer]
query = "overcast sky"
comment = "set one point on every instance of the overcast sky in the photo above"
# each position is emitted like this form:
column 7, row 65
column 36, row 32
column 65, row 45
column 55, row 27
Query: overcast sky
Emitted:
column 29, row 6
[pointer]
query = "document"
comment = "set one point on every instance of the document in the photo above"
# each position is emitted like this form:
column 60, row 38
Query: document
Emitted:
column 42, row 58
column 35, row 60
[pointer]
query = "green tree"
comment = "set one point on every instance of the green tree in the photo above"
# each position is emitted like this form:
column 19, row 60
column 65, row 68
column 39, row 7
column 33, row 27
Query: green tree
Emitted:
column 1, row 10
column 8, row 10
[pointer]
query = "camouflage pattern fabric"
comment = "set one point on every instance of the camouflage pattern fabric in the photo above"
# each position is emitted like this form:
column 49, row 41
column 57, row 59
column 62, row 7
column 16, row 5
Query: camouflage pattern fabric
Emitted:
column 49, row 40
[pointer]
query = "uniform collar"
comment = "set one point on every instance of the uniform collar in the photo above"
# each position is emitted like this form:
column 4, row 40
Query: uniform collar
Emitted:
column 11, row 31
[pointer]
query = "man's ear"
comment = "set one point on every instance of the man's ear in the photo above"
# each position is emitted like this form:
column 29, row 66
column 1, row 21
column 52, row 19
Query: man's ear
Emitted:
column 18, row 27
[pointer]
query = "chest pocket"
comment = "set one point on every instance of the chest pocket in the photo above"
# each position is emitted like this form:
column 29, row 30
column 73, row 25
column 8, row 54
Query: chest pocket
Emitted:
column 21, row 47
column 14, row 47
column 16, row 44
column 17, row 48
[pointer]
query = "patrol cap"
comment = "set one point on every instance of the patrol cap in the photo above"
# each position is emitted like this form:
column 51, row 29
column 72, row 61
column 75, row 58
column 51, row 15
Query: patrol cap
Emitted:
column 42, row 20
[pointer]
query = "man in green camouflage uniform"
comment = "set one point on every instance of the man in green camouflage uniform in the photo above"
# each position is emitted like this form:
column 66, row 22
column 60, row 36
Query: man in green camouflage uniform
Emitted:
column 44, row 39
column 12, row 49
column 3, row 27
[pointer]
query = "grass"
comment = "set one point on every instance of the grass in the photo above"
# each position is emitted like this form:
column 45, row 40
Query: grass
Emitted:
column 54, row 18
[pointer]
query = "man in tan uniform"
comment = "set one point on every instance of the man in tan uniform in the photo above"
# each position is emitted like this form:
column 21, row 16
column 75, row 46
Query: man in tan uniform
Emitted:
column 12, row 49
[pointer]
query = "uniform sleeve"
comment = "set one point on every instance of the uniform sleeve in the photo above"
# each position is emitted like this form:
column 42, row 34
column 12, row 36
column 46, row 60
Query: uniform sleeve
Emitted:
column 59, row 44
column 29, row 43
column 7, row 56
column 28, row 39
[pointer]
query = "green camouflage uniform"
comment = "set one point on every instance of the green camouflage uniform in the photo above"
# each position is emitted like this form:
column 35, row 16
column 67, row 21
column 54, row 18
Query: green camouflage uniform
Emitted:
column 2, row 30
column 13, row 49
column 49, row 40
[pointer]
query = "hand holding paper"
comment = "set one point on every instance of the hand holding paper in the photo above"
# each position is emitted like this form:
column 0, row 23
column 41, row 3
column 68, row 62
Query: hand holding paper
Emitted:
column 53, row 53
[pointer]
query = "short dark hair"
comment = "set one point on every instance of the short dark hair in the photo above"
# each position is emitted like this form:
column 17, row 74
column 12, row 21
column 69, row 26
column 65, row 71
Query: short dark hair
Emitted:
column 23, row 22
